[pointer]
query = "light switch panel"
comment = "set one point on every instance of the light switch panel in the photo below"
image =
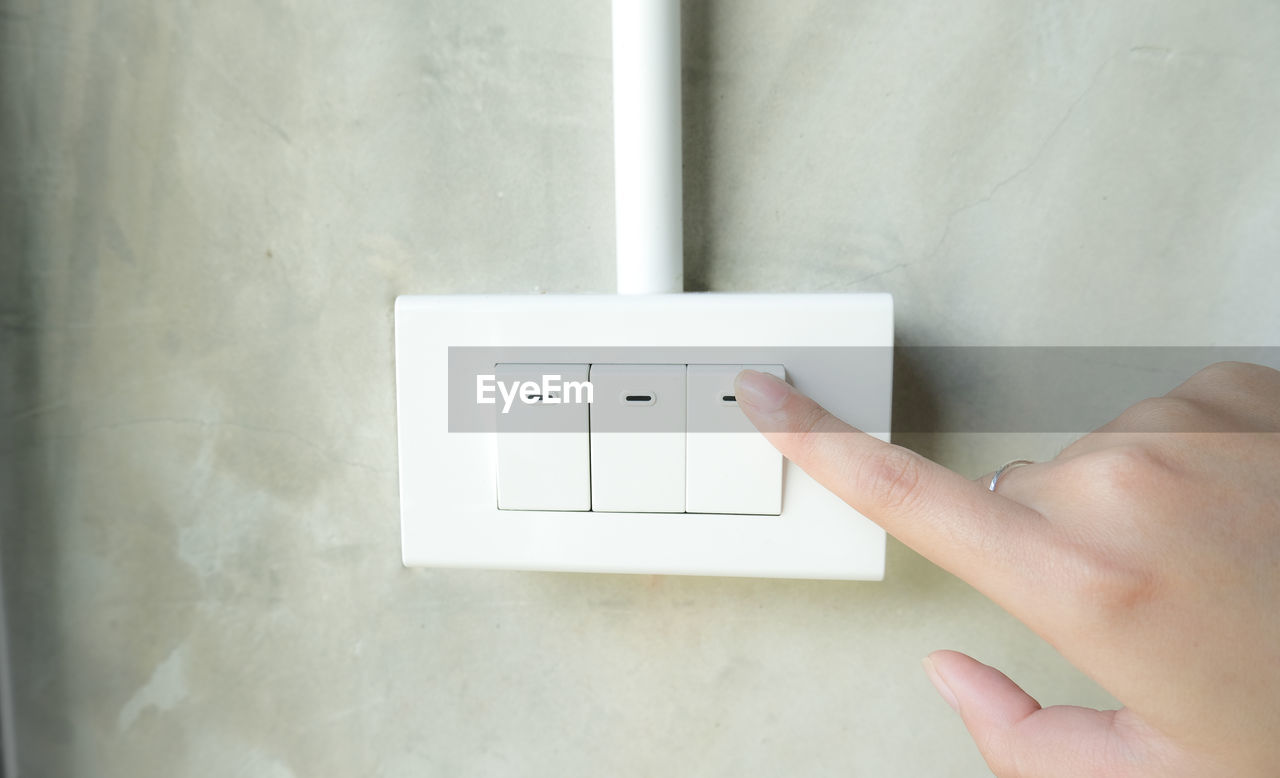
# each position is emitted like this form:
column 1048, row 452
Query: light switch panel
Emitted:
column 543, row 448
column 637, row 438
column 837, row 348
column 730, row 467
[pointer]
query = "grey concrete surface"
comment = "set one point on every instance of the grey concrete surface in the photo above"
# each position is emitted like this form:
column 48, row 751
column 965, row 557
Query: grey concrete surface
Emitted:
column 208, row 209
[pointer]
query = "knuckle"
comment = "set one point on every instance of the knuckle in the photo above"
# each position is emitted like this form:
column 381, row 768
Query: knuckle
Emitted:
column 1231, row 371
column 1108, row 585
column 1163, row 414
column 891, row 478
column 1102, row 568
column 1120, row 470
column 1231, row 377
column 1121, row 480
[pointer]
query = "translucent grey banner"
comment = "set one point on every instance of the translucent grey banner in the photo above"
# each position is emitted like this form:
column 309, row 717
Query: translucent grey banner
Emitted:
column 934, row 388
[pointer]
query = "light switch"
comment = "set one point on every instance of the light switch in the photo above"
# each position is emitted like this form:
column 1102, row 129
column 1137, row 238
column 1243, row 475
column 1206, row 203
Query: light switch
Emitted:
column 637, row 438
column 838, row 347
column 731, row 467
column 543, row 443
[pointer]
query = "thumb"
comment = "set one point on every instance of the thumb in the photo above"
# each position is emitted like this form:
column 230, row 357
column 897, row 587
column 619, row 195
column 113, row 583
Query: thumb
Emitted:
column 1017, row 737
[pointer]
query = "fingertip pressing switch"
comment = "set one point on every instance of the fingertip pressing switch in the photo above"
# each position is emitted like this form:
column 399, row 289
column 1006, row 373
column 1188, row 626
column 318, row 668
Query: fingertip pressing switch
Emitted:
column 731, row 467
column 543, row 444
column 637, row 438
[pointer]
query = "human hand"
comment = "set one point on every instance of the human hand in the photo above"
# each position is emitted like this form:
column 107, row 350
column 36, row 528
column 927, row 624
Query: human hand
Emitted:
column 1147, row 553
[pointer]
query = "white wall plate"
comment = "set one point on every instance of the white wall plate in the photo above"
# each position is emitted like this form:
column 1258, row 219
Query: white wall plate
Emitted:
column 835, row 347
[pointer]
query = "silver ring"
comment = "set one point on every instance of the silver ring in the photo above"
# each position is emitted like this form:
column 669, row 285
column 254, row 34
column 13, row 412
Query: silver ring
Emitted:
column 991, row 487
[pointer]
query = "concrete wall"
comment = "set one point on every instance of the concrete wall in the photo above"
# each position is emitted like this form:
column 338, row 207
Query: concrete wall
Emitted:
column 208, row 208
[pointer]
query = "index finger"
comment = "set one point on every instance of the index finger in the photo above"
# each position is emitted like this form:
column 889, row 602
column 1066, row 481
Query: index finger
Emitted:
column 988, row 540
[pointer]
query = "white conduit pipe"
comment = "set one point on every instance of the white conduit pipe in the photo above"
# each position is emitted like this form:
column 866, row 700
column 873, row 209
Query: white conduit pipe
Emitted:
column 646, row 146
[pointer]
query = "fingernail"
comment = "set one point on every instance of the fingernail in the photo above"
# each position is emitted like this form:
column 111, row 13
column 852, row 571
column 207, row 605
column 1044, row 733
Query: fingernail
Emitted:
column 940, row 684
column 761, row 391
